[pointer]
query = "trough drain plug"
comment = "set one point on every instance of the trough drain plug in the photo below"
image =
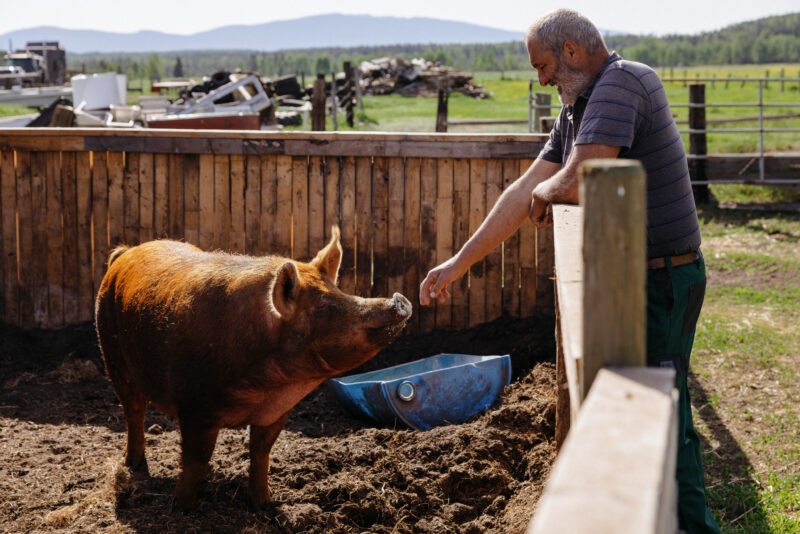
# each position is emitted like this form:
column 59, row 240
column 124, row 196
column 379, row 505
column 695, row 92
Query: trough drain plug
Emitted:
column 406, row 391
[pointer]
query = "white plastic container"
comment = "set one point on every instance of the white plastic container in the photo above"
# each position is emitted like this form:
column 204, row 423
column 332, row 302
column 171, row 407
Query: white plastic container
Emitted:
column 99, row 91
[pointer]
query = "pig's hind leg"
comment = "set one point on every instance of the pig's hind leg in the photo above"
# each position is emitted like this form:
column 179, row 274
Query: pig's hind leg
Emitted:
column 261, row 440
column 133, row 401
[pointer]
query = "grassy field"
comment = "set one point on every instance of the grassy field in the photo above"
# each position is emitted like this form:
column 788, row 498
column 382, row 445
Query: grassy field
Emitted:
column 746, row 369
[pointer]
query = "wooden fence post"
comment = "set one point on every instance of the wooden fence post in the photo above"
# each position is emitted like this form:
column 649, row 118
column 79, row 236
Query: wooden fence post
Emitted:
column 540, row 99
column 612, row 192
column 697, row 141
column 318, row 104
column 441, row 107
column 349, row 93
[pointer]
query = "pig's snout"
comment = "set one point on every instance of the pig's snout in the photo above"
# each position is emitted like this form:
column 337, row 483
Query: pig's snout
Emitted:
column 401, row 305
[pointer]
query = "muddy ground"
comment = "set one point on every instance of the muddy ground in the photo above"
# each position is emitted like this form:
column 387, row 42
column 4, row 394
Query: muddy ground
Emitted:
column 62, row 436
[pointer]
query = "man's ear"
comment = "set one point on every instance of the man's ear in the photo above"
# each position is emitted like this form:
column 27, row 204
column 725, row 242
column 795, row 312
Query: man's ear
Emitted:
column 328, row 260
column 285, row 289
column 570, row 51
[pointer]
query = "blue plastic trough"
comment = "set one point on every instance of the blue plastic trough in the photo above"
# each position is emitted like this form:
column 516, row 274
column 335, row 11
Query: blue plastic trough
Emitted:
column 441, row 389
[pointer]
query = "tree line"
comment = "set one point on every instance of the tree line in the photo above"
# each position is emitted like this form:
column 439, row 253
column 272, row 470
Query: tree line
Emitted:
column 768, row 40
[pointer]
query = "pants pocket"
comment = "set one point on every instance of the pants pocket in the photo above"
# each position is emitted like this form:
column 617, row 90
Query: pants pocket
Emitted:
column 697, row 293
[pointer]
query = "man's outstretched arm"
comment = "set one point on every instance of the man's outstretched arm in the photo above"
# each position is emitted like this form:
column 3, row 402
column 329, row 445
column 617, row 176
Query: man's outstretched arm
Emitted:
column 563, row 186
column 506, row 216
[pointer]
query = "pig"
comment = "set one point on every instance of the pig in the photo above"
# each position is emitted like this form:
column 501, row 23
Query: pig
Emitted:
column 221, row 340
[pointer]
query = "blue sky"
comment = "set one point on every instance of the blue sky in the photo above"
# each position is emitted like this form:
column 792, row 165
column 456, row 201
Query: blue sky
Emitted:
column 640, row 16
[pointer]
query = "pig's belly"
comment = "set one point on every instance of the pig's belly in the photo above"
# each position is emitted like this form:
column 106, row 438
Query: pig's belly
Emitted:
column 268, row 406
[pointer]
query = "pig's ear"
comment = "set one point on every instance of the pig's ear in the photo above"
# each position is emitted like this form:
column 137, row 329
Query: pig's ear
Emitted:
column 328, row 259
column 285, row 289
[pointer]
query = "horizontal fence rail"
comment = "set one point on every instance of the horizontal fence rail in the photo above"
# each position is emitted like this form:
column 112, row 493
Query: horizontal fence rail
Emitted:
column 404, row 203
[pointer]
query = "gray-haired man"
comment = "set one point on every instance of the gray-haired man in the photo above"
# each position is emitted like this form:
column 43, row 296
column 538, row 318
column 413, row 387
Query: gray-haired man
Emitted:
column 613, row 108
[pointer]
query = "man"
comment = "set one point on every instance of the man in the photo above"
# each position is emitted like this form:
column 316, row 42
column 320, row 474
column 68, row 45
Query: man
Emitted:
column 613, row 108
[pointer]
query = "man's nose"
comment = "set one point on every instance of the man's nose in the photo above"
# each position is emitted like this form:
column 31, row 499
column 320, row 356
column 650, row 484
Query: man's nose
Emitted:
column 543, row 80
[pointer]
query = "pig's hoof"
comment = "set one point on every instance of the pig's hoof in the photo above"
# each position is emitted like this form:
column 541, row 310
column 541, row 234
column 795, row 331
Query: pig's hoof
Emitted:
column 185, row 499
column 138, row 466
column 260, row 500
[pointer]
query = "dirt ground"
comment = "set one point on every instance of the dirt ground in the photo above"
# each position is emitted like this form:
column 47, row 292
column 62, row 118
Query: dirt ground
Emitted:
column 62, row 437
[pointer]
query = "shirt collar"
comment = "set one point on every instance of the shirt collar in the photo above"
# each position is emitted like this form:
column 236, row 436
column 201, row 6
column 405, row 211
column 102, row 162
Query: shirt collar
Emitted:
column 613, row 57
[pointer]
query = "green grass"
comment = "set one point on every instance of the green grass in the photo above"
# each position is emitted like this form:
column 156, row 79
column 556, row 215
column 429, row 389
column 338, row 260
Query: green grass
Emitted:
column 746, row 362
column 11, row 111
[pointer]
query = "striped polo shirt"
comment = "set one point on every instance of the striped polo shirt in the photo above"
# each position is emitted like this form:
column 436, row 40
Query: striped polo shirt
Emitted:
column 625, row 105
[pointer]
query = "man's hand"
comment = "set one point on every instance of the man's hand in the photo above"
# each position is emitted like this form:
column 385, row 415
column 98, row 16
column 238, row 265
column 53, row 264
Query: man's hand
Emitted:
column 539, row 211
column 435, row 284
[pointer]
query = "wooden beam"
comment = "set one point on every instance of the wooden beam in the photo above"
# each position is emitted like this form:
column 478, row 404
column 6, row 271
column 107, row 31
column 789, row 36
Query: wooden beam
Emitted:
column 612, row 192
column 616, row 470
column 568, row 242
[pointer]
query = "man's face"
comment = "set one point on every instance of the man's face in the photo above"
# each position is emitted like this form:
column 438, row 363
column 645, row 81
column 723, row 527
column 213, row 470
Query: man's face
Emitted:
column 570, row 80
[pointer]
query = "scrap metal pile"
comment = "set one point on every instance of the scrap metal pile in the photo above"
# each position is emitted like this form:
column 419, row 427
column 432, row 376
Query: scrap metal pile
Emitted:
column 417, row 77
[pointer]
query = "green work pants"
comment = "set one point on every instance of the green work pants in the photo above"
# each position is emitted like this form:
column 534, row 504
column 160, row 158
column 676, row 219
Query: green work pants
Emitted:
column 674, row 298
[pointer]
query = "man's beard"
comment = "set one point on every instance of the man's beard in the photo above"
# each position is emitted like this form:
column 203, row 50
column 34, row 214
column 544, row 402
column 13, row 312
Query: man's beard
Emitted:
column 571, row 82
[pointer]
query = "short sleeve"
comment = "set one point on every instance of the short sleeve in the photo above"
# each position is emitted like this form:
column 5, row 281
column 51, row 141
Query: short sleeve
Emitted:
column 615, row 112
column 553, row 149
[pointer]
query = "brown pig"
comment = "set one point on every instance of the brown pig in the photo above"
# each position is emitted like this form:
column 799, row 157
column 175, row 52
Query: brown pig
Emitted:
column 221, row 340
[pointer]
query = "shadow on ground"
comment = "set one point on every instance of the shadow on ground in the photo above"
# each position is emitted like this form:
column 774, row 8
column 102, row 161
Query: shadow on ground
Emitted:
column 731, row 488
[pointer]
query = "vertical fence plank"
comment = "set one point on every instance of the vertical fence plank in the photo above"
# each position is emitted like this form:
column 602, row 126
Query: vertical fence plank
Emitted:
column 222, row 201
column 494, row 260
column 394, row 259
column 545, row 259
column 161, row 196
column 300, row 208
column 191, row 198
column 130, row 194
column 269, row 204
column 316, row 205
column 116, row 170
column 283, row 213
column 332, row 196
column 459, row 288
column 4, row 176
column 84, row 203
column 347, row 272
column 444, row 232
column 252, row 204
column 8, row 248
column 55, row 242
column 176, row 201
column 146, row 192
column 511, row 171
column 411, row 239
column 477, row 212
column 70, row 233
column 363, row 226
column 39, row 258
column 427, row 248
column 99, row 217
column 205, row 201
column 26, row 250
column 527, row 260
column 237, row 204
column 380, row 227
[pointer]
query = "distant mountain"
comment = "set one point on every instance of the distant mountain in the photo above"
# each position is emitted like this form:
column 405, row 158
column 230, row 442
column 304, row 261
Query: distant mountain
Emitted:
column 319, row 31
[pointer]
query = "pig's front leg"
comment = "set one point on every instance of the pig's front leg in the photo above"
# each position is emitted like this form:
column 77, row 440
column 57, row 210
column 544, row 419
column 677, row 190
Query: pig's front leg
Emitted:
column 197, row 446
column 261, row 440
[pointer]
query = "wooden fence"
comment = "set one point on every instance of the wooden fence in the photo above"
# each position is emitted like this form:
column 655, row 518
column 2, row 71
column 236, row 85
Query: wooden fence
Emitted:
column 617, row 464
column 404, row 203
